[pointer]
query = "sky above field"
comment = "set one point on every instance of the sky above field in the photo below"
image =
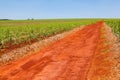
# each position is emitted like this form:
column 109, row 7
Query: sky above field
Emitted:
column 48, row 9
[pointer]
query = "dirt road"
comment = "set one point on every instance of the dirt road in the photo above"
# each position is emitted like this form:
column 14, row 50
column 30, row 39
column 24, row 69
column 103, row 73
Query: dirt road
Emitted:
column 67, row 59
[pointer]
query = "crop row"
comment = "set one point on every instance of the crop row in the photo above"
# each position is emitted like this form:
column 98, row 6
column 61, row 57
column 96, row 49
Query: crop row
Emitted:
column 115, row 25
column 16, row 32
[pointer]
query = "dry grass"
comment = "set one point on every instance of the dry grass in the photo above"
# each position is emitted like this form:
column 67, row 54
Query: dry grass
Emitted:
column 115, row 49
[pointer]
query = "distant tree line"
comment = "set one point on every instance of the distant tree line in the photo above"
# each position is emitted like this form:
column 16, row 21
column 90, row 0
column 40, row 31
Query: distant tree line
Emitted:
column 30, row 19
column 4, row 19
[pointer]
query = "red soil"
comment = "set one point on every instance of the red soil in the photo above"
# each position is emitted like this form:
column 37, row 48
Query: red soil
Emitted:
column 10, row 47
column 70, row 58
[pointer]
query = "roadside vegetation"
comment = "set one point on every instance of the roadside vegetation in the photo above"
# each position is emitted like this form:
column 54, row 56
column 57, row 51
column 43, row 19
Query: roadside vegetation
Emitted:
column 115, row 25
column 15, row 32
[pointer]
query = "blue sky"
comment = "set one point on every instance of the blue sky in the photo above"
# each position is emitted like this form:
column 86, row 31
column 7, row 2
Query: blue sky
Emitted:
column 47, row 9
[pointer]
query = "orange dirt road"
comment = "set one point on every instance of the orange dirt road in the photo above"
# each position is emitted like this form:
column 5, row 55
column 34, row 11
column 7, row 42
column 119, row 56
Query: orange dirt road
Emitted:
column 67, row 59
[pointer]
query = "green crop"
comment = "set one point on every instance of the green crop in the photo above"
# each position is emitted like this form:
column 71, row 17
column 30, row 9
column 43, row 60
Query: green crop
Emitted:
column 115, row 25
column 17, row 31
